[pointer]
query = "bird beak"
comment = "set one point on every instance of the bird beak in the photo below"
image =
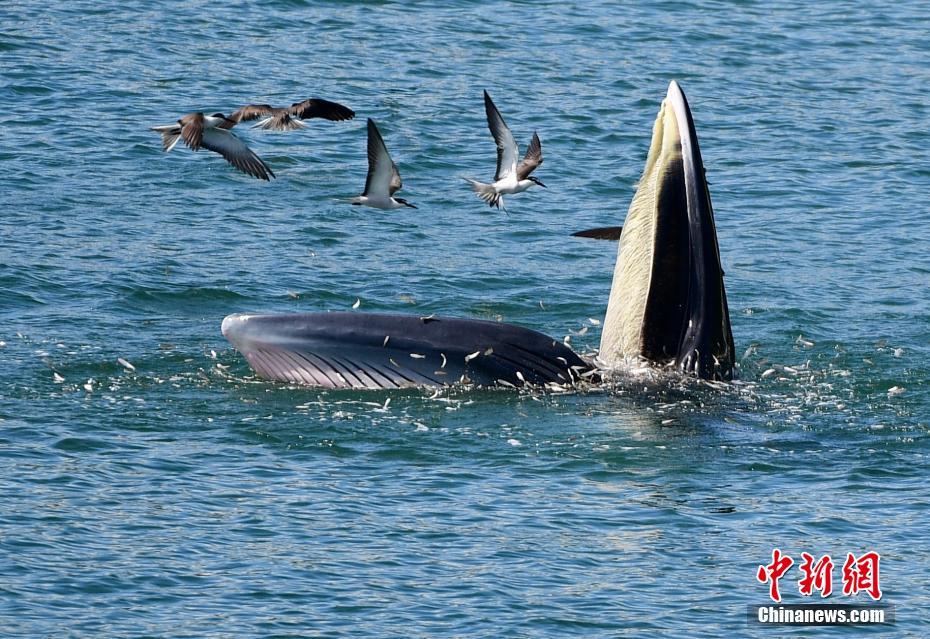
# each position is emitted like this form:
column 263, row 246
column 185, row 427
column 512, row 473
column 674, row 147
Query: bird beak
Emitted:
column 541, row 184
column 410, row 205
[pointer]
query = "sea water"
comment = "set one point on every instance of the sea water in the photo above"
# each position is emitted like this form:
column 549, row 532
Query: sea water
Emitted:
column 151, row 485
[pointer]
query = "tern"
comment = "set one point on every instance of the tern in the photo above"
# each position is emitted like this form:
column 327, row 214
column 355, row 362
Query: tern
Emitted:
column 383, row 177
column 212, row 132
column 290, row 118
column 510, row 177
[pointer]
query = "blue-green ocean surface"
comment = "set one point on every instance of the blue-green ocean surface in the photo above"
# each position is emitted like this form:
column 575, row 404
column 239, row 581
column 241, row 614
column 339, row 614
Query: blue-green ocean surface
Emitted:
column 183, row 497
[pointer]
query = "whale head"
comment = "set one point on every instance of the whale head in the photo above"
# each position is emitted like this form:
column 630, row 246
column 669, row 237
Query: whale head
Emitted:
column 667, row 301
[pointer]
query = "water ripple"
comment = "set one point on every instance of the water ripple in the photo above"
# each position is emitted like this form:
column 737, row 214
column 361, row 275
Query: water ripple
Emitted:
column 181, row 495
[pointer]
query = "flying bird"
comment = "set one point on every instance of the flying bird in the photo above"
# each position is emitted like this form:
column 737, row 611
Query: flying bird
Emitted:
column 383, row 177
column 291, row 118
column 510, row 177
column 212, row 132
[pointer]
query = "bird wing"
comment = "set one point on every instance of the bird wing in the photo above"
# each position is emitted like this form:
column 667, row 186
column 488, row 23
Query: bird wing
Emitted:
column 276, row 119
column 251, row 112
column 236, row 153
column 192, row 129
column 383, row 177
column 531, row 160
column 506, row 144
column 319, row 108
column 396, row 183
column 371, row 350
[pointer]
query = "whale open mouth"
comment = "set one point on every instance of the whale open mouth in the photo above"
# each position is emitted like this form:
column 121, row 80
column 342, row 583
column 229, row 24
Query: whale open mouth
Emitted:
column 667, row 302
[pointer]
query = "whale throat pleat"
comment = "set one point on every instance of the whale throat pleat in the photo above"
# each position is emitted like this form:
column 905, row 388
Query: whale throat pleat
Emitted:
column 646, row 271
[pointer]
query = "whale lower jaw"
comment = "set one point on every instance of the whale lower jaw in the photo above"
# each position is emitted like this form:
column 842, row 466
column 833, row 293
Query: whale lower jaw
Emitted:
column 371, row 350
column 667, row 301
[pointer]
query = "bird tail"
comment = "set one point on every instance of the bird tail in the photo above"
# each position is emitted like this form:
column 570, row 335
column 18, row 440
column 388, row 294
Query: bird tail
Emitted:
column 486, row 192
column 170, row 134
column 280, row 123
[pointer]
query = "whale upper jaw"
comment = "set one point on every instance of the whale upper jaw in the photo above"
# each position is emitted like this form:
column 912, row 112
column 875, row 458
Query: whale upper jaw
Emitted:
column 667, row 302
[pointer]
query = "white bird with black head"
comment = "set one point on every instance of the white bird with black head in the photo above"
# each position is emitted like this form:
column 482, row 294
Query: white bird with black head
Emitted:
column 510, row 177
column 383, row 177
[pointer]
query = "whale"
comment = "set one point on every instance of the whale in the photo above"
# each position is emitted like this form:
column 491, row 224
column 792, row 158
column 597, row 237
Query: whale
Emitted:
column 667, row 305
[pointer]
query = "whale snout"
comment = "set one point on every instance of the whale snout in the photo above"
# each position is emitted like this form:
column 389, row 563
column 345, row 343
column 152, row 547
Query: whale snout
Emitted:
column 233, row 325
